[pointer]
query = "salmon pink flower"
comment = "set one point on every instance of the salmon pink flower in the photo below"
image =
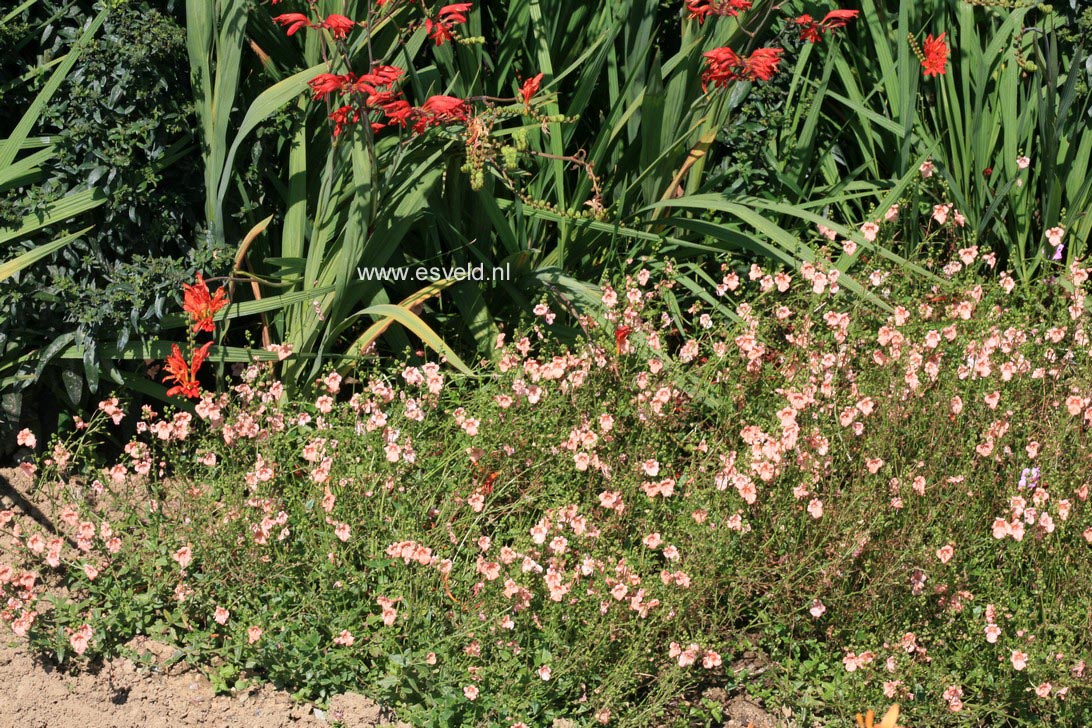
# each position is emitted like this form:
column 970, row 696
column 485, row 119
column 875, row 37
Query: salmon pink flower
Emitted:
column 1019, row 660
column 253, row 634
column 221, row 615
column 26, row 438
column 184, row 556
column 81, row 638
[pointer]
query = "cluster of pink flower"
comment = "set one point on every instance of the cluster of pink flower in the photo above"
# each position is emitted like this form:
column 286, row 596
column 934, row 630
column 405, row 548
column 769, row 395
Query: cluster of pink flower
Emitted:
column 689, row 655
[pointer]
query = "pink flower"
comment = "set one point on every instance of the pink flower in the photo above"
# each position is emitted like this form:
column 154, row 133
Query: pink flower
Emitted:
column 253, row 634
column 992, row 633
column 26, row 438
column 221, row 615
column 815, row 508
column 926, row 168
column 711, row 660
column 870, row 230
column 1019, row 660
column 81, row 638
column 818, row 609
column 940, row 213
column 1043, row 690
column 184, row 556
column 945, row 553
column 471, row 692
column 544, row 672
column 1022, row 162
column 345, row 639
column 1054, row 235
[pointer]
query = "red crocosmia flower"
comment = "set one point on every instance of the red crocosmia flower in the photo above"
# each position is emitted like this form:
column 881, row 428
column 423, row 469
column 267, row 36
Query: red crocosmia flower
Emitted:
column 813, row 31
column 934, row 55
column 201, row 305
column 398, row 112
column 343, row 117
column 293, row 21
column 763, row 63
column 839, row 18
column 338, row 25
column 185, row 375
column 327, row 83
column 700, row 9
column 530, row 88
column 440, row 29
column 447, row 108
column 725, row 65
column 809, row 29
column 620, row 335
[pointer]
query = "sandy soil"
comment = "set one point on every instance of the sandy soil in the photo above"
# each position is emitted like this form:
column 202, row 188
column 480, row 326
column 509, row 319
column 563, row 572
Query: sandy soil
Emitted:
column 122, row 694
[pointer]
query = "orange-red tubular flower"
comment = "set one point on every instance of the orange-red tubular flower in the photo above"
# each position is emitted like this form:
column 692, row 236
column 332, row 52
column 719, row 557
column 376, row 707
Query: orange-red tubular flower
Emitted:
column 185, row 375
column 201, row 305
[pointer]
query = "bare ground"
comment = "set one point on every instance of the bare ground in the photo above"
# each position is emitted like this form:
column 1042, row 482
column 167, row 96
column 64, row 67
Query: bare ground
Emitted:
column 121, row 694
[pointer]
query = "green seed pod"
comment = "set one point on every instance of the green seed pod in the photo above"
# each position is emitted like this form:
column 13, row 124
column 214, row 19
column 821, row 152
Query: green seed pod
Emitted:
column 510, row 156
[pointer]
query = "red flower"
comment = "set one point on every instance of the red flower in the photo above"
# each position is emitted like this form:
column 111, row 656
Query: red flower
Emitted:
column 530, row 88
column 437, row 110
column 338, row 25
column 839, row 18
column 809, row 29
column 398, row 112
column 620, row 335
column 328, row 83
column 725, row 66
column 448, row 107
column 700, row 9
column 369, row 83
column 812, row 31
column 185, row 375
column 763, row 63
column 934, row 55
column 293, row 21
column 342, row 117
column 200, row 305
column 440, row 29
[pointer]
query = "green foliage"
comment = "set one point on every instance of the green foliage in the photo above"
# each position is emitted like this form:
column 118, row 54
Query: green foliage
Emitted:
column 809, row 453
column 114, row 125
column 1015, row 85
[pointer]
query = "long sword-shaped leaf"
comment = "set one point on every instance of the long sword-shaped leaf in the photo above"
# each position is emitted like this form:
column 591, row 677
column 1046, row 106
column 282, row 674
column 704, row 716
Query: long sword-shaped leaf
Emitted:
column 13, row 143
column 30, row 257
column 413, row 322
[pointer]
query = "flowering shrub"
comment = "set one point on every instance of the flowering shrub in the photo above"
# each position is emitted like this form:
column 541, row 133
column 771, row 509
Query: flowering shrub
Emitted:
column 881, row 505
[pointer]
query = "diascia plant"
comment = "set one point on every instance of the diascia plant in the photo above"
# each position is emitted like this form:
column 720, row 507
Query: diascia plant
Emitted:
column 819, row 504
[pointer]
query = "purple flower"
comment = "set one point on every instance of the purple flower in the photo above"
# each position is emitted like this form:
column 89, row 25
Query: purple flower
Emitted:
column 1058, row 252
